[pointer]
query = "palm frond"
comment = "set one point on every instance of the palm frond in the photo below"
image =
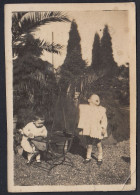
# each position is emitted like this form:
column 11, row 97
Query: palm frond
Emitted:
column 18, row 15
column 33, row 19
column 51, row 47
column 27, row 43
column 16, row 30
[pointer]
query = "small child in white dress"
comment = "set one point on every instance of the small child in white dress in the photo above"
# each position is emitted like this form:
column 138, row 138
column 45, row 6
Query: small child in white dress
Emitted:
column 31, row 130
column 93, row 121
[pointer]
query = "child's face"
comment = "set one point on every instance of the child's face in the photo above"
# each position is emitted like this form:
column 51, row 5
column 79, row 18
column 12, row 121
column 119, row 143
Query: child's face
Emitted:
column 94, row 100
column 39, row 123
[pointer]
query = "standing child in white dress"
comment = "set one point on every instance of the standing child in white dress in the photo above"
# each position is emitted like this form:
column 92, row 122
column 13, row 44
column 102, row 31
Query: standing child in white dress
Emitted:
column 93, row 121
column 33, row 129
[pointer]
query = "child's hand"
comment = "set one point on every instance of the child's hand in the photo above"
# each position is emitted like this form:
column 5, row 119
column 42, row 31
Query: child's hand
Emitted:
column 20, row 131
column 30, row 135
column 103, row 131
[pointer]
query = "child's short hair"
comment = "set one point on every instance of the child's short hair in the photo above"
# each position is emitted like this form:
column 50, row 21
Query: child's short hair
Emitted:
column 92, row 94
column 38, row 115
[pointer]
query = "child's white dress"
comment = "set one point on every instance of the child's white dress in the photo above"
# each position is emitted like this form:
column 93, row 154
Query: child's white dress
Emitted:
column 92, row 119
column 30, row 130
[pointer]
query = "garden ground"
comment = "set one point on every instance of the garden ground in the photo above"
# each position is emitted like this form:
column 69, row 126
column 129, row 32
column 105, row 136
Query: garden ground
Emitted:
column 114, row 170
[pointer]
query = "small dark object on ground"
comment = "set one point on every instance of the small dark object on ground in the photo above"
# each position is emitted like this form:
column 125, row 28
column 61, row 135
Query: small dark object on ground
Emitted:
column 126, row 159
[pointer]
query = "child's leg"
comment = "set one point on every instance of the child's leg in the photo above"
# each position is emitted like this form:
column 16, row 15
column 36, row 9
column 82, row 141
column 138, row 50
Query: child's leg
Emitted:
column 29, row 156
column 89, row 151
column 100, row 150
column 89, row 147
column 38, row 158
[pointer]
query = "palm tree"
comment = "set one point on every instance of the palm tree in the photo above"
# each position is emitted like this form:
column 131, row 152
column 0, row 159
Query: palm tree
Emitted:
column 25, row 22
column 29, row 71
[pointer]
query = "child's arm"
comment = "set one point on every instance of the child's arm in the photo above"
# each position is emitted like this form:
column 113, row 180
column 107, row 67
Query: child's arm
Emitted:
column 43, row 132
column 27, row 131
column 104, row 122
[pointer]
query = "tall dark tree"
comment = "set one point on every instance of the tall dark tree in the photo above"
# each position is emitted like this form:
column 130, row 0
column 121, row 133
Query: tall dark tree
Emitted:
column 109, row 66
column 73, row 65
column 96, row 54
column 73, row 62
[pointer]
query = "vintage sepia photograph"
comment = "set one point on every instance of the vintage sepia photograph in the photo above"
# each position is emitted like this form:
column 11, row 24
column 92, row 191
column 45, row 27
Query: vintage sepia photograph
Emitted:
column 71, row 97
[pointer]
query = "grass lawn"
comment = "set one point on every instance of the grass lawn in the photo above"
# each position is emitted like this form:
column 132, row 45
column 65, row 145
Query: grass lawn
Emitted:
column 114, row 170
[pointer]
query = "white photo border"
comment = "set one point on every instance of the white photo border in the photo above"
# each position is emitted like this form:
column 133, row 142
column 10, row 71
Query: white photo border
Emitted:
column 9, row 8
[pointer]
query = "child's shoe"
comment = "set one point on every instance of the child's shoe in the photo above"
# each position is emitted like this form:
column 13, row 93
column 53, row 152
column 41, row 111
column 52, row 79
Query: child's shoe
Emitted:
column 28, row 162
column 38, row 161
column 87, row 160
column 99, row 162
column 100, row 157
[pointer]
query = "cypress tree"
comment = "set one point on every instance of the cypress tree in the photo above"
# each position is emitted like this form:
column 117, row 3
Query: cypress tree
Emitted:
column 109, row 66
column 96, row 54
column 73, row 62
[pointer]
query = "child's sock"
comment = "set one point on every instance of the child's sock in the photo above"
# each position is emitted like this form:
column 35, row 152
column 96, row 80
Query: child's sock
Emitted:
column 100, row 151
column 100, row 156
column 89, row 150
